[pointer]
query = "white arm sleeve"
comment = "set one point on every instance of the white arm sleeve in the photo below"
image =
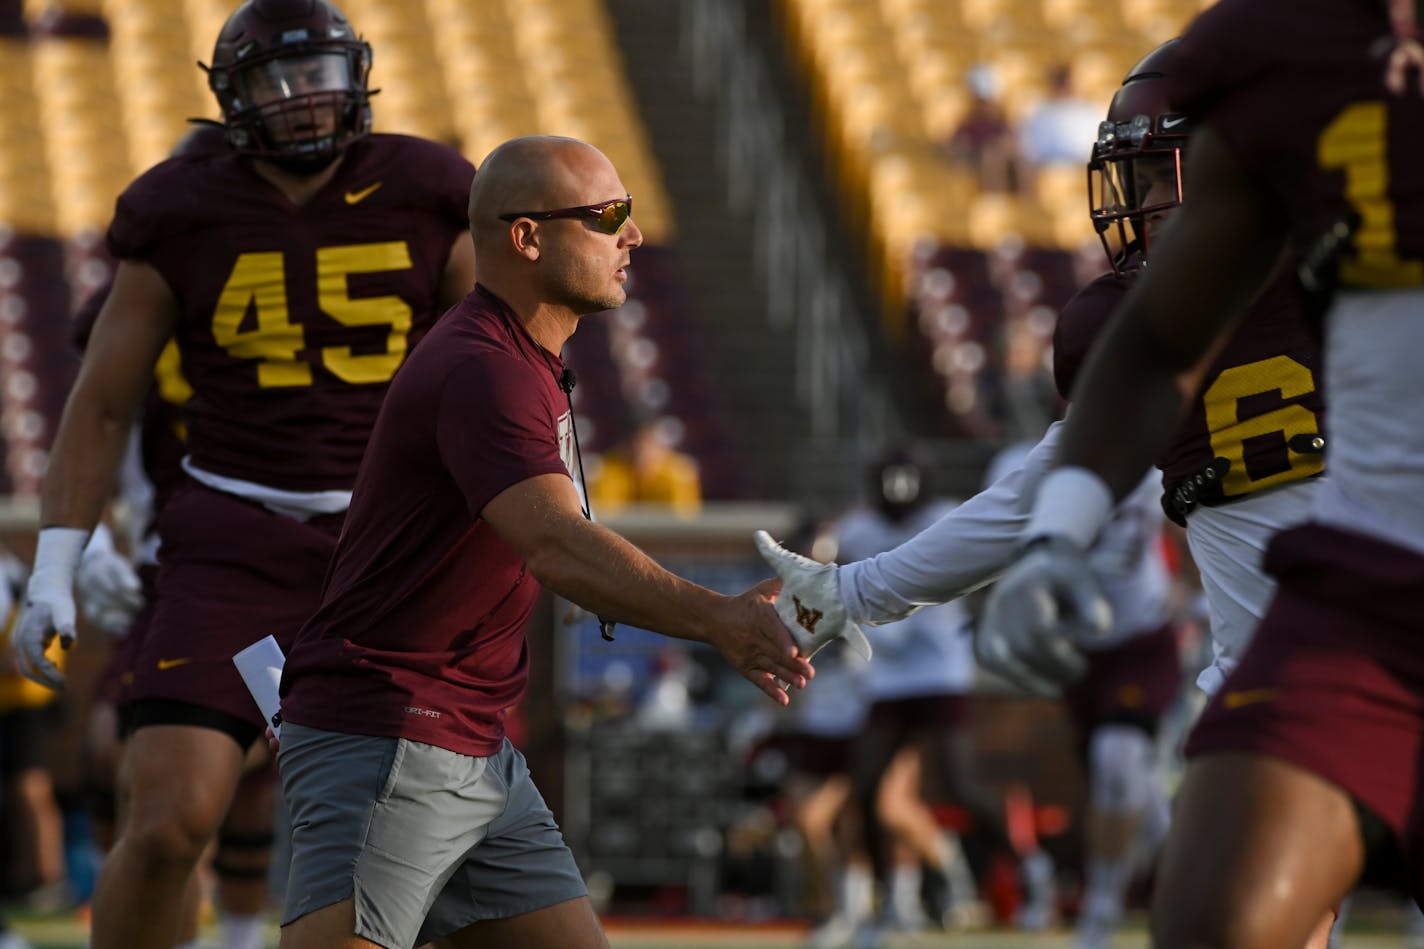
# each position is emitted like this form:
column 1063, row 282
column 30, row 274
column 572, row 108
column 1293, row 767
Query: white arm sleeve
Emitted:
column 959, row 553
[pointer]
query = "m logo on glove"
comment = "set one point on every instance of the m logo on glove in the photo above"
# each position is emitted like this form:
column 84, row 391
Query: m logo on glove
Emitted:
column 806, row 619
column 807, row 581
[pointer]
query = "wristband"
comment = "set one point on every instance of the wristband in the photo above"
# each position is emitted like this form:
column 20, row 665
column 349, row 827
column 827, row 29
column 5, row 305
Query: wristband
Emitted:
column 57, row 554
column 1072, row 502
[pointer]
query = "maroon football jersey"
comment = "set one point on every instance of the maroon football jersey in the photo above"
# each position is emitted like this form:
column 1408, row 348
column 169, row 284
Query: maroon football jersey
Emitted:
column 1259, row 405
column 292, row 320
column 1296, row 89
column 420, row 633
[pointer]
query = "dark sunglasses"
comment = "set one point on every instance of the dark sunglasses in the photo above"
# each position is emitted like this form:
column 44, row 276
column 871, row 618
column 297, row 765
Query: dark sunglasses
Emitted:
column 609, row 216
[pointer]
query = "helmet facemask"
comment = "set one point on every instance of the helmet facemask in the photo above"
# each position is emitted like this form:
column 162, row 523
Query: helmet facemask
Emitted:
column 296, row 96
column 1134, row 179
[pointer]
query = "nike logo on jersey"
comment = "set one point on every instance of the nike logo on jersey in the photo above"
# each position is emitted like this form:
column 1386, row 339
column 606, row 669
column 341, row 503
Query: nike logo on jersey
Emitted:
column 1248, row 697
column 356, row 197
column 1171, row 122
column 806, row 618
column 165, row 664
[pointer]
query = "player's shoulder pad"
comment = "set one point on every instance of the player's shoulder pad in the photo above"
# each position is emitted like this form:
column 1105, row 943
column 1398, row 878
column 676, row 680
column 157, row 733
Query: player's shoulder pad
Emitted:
column 166, row 199
column 1080, row 321
column 427, row 168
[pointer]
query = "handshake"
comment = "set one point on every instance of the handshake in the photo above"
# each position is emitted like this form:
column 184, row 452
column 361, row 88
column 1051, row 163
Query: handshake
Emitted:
column 1046, row 608
column 810, row 602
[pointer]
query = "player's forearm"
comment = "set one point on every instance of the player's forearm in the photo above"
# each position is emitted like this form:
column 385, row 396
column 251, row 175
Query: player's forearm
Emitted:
column 959, row 553
column 597, row 569
column 83, row 464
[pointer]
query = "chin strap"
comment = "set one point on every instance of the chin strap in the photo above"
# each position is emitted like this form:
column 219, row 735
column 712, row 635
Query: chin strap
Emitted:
column 1408, row 52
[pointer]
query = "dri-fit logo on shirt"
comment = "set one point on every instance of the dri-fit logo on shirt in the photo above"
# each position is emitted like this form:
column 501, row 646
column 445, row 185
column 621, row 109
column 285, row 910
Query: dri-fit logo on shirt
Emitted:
column 427, row 712
column 566, row 444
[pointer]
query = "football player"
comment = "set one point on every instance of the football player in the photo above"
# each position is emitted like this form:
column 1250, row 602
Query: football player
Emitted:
column 918, row 723
column 294, row 272
column 1245, row 458
column 1242, row 464
column 1301, row 770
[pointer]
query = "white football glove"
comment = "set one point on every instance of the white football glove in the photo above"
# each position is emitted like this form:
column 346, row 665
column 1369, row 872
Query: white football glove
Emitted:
column 810, row 601
column 49, row 604
column 1045, row 607
column 110, row 592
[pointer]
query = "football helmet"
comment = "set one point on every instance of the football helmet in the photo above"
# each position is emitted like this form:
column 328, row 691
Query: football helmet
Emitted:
column 898, row 483
column 1135, row 174
column 290, row 76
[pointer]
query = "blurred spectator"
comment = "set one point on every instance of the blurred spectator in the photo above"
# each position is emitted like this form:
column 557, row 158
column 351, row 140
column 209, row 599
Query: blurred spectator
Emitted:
column 984, row 140
column 1061, row 128
column 644, row 468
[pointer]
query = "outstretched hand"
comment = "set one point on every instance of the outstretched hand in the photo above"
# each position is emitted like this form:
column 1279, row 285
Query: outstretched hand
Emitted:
column 810, row 601
column 756, row 644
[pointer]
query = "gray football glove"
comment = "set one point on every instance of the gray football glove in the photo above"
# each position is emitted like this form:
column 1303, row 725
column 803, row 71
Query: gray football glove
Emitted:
column 1040, row 614
column 810, row 601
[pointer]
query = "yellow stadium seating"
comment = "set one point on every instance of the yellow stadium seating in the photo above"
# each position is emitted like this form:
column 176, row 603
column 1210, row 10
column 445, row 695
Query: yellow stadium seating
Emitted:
column 106, row 111
column 889, row 77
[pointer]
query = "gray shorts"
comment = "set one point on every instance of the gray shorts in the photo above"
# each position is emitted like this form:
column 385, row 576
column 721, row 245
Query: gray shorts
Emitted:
column 427, row 841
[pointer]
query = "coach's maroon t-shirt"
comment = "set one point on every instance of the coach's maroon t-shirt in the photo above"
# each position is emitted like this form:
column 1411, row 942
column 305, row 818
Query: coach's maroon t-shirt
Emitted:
column 420, row 633
column 1262, row 391
column 292, row 320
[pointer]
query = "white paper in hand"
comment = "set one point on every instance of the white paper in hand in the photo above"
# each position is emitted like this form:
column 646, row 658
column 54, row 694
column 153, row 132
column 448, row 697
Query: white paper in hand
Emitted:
column 260, row 666
column 810, row 602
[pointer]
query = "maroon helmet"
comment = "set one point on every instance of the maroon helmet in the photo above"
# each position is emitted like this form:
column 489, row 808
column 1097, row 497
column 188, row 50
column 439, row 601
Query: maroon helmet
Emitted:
column 1135, row 174
column 290, row 76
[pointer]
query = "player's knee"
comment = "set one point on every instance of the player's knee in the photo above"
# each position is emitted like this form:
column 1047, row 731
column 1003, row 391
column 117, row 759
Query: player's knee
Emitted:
column 1120, row 764
column 892, row 811
column 171, row 829
column 163, row 843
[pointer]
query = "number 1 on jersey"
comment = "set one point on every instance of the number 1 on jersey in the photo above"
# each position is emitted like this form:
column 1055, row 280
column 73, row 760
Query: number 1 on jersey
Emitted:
column 1356, row 142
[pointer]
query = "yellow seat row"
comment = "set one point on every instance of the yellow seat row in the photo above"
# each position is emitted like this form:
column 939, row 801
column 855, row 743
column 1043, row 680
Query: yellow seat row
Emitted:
column 890, row 84
column 105, row 111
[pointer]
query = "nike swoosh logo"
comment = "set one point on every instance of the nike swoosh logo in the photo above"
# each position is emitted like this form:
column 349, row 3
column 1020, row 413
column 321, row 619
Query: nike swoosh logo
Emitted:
column 356, row 197
column 165, row 664
column 1170, row 123
column 1248, row 697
